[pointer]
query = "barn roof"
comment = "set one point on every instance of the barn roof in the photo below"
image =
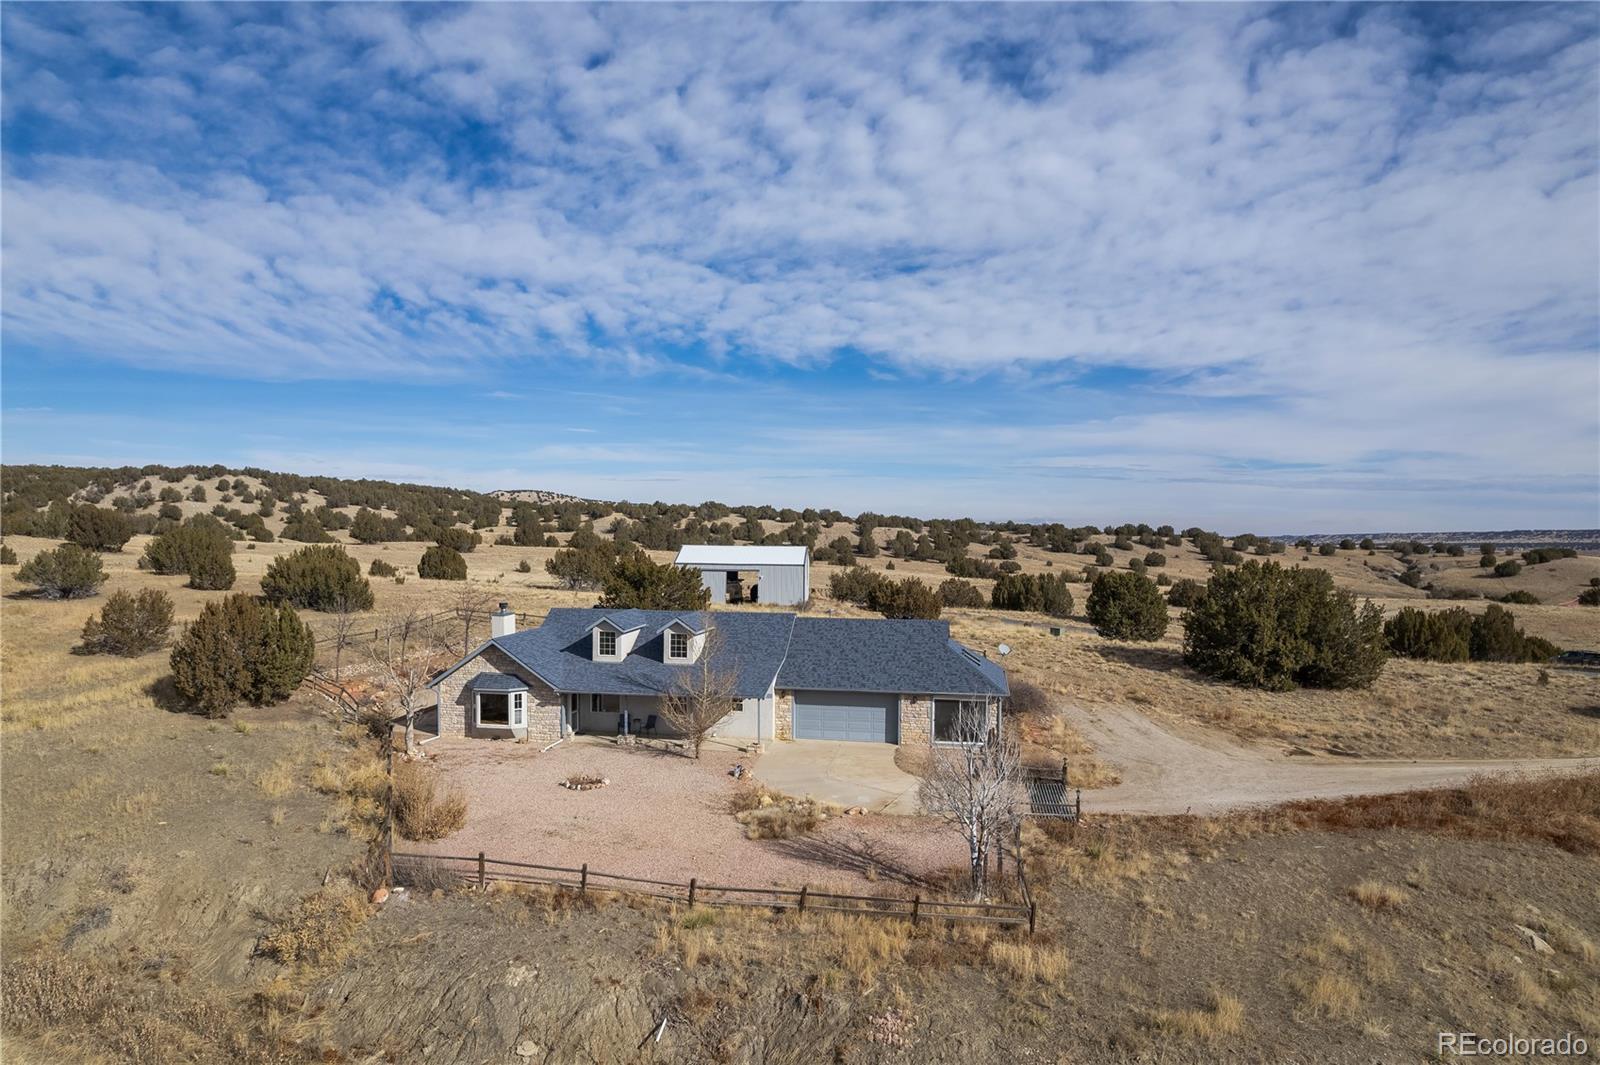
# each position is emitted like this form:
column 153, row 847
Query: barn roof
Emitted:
column 740, row 555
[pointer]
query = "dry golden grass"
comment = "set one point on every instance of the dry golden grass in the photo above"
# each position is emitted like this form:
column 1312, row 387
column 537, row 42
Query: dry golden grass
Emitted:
column 277, row 780
column 1336, row 966
column 141, row 805
column 1108, row 853
column 359, row 783
column 423, row 811
column 769, row 814
column 87, row 1009
column 1529, row 991
column 1376, row 896
column 1330, row 995
column 1028, row 960
column 318, row 929
column 844, row 951
column 1223, row 1015
column 1560, row 810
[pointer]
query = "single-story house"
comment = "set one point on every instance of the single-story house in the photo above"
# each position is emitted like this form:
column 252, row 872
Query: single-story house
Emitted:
column 606, row 671
column 778, row 574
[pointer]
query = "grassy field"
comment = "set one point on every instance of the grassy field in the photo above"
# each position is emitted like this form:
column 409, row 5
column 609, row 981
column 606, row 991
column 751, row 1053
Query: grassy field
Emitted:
column 1417, row 709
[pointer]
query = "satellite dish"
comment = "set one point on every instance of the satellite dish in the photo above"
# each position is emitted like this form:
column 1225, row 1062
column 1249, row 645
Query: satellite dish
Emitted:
column 1004, row 649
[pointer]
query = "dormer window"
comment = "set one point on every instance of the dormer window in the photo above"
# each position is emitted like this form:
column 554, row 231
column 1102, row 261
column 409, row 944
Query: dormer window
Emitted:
column 613, row 638
column 683, row 639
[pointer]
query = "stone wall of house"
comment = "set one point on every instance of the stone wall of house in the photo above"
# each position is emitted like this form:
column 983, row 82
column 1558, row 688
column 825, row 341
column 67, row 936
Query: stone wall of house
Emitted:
column 916, row 720
column 455, row 700
column 783, row 716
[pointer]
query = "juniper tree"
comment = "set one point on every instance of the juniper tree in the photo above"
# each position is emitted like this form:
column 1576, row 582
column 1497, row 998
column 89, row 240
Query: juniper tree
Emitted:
column 98, row 529
column 202, row 548
column 1127, row 606
column 1265, row 626
column 637, row 582
column 65, row 572
column 130, row 624
column 440, row 563
column 241, row 650
column 319, row 577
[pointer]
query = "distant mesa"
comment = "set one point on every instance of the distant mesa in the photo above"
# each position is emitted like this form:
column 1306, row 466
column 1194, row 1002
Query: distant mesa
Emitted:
column 1504, row 539
column 536, row 495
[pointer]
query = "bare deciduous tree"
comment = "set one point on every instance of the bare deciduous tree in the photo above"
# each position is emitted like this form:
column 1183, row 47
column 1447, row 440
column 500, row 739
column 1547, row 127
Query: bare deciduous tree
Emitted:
column 343, row 621
column 974, row 784
column 470, row 606
column 402, row 656
column 703, row 692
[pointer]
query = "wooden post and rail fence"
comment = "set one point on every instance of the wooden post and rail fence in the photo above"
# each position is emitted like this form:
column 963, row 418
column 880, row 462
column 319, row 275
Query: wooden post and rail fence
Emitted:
column 479, row 871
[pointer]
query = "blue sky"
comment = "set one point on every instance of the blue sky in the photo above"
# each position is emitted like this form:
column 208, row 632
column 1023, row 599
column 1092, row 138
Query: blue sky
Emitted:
column 1313, row 267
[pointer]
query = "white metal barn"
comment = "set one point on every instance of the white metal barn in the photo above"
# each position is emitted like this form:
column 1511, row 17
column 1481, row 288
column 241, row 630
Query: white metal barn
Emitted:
column 751, row 574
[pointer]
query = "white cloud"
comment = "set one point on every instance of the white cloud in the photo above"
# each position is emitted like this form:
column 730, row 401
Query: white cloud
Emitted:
column 1395, row 254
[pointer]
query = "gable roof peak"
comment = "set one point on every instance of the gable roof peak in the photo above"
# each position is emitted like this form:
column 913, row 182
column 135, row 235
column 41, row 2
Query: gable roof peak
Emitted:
column 617, row 622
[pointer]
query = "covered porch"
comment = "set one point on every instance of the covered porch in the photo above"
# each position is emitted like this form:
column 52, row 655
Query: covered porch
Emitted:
column 609, row 714
column 602, row 714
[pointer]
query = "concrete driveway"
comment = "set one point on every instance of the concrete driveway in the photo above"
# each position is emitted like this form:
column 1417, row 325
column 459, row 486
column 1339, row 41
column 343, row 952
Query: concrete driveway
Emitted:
column 850, row 774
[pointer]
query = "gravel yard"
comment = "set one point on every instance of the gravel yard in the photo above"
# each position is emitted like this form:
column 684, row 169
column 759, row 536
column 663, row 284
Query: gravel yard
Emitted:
column 666, row 817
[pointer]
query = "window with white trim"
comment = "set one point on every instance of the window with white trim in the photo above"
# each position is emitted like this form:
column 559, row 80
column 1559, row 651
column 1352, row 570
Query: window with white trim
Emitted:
column 502, row 709
column 608, row 644
column 494, row 708
column 678, row 645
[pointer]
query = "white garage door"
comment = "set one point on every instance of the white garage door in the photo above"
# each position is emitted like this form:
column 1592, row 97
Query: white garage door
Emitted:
column 865, row 716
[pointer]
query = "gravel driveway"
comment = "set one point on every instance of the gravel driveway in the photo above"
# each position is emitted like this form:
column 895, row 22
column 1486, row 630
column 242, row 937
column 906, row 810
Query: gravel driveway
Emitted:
column 664, row 816
column 1168, row 771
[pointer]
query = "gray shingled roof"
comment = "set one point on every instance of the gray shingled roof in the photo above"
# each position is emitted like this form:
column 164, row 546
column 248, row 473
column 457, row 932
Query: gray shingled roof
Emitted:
column 806, row 653
column 498, row 682
column 560, row 651
column 872, row 655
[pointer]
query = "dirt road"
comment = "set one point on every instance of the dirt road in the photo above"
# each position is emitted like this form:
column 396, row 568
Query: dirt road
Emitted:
column 1167, row 771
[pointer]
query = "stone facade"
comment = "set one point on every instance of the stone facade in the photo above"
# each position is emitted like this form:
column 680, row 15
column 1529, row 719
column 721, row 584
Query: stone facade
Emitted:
column 456, row 701
column 783, row 716
column 916, row 720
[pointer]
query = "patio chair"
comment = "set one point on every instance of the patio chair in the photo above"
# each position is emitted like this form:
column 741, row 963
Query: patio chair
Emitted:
column 649, row 728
